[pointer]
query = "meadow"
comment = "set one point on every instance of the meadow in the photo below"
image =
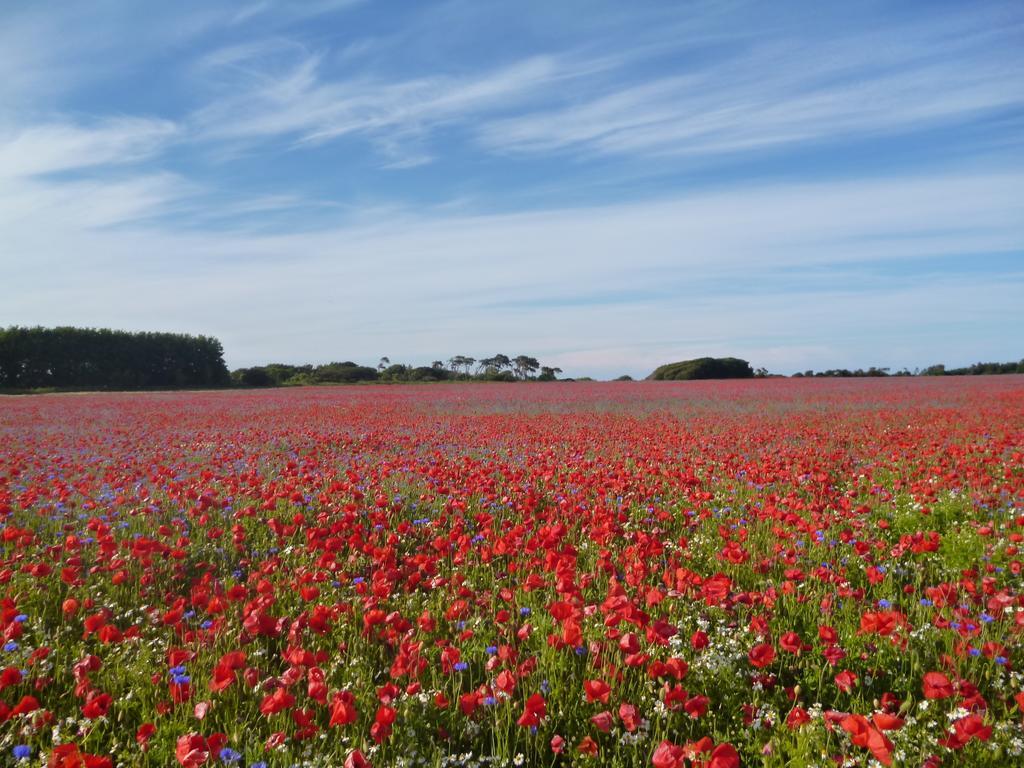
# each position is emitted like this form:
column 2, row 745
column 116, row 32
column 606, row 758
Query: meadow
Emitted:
column 771, row 572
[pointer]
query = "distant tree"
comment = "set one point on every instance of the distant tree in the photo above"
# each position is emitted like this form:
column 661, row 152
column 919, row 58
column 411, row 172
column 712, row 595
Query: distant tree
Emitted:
column 427, row 373
column 343, row 373
column 256, row 377
column 525, row 366
column 624, row 377
column 704, row 368
column 548, row 373
column 384, row 363
column 494, row 365
column 395, row 372
column 107, row 359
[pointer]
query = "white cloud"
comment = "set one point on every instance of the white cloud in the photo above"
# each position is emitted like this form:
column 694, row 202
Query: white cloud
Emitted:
column 628, row 283
column 96, row 231
column 290, row 97
column 778, row 94
column 54, row 147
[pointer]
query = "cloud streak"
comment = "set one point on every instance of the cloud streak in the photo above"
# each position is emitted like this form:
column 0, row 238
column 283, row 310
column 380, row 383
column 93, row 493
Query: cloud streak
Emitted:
column 56, row 147
column 775, row 96
column 293, row 99
column 370, row 182
column 402, row 284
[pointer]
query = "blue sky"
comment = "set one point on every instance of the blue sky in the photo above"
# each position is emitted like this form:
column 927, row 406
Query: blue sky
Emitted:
column 606, row 186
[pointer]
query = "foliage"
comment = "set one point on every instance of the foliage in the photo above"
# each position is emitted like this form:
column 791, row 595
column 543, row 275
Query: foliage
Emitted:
column 497, row 368
column 704, row 368
column 88, row 358
column 978, row 369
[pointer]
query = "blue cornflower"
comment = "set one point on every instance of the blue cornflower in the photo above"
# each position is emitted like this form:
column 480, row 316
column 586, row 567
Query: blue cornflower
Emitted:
column 974, row 652
column 229, row 755
column 461, row 666
column 492, row 649
column 1001, row 660
column 21, row 617
column 358, row 580
column 490, row 701
column 884, row 604
column 926, row 602
column 206, row 624
column 10, row 645
column 986, row 618
column 524, row 611
column 581, row 651
column 22, row 752
column 178, row 670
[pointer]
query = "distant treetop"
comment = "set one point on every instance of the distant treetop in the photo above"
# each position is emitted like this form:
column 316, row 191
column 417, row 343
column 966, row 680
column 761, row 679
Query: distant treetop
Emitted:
column 703, row 368
column 100, row 358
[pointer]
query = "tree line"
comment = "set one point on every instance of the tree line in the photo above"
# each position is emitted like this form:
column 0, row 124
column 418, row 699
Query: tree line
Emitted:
column 91, row 358
column 100, row 358
column 500, row 367
column 978, row 369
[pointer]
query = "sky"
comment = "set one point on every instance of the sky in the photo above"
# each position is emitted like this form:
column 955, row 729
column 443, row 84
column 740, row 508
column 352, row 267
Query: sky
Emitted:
column 605, row 186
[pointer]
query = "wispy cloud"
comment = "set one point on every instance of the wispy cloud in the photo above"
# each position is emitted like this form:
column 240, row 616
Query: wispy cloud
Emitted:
column 234, row 158
column 291, row 98
column 433, row 272
column 55, row 147
column 291, row 10
column 772, row 95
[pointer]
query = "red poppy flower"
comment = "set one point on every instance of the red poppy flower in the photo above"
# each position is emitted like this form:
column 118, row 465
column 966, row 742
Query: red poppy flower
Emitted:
column 191, row 750
column 630, row 717
column 356, row 759
column 937, row 686
column 587, row 746
column 279, row 700
column 668, row 755
column 724, row 756
column 761, row 655
column 533, row 712
column 343, row 709
column 845, row 680
column 596, row 690
column 382, row 723
column 797, row 717
column 863, row 734
column 603, row 720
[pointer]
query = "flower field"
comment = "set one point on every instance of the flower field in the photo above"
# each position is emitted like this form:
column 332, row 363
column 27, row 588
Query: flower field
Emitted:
column 771, row 572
